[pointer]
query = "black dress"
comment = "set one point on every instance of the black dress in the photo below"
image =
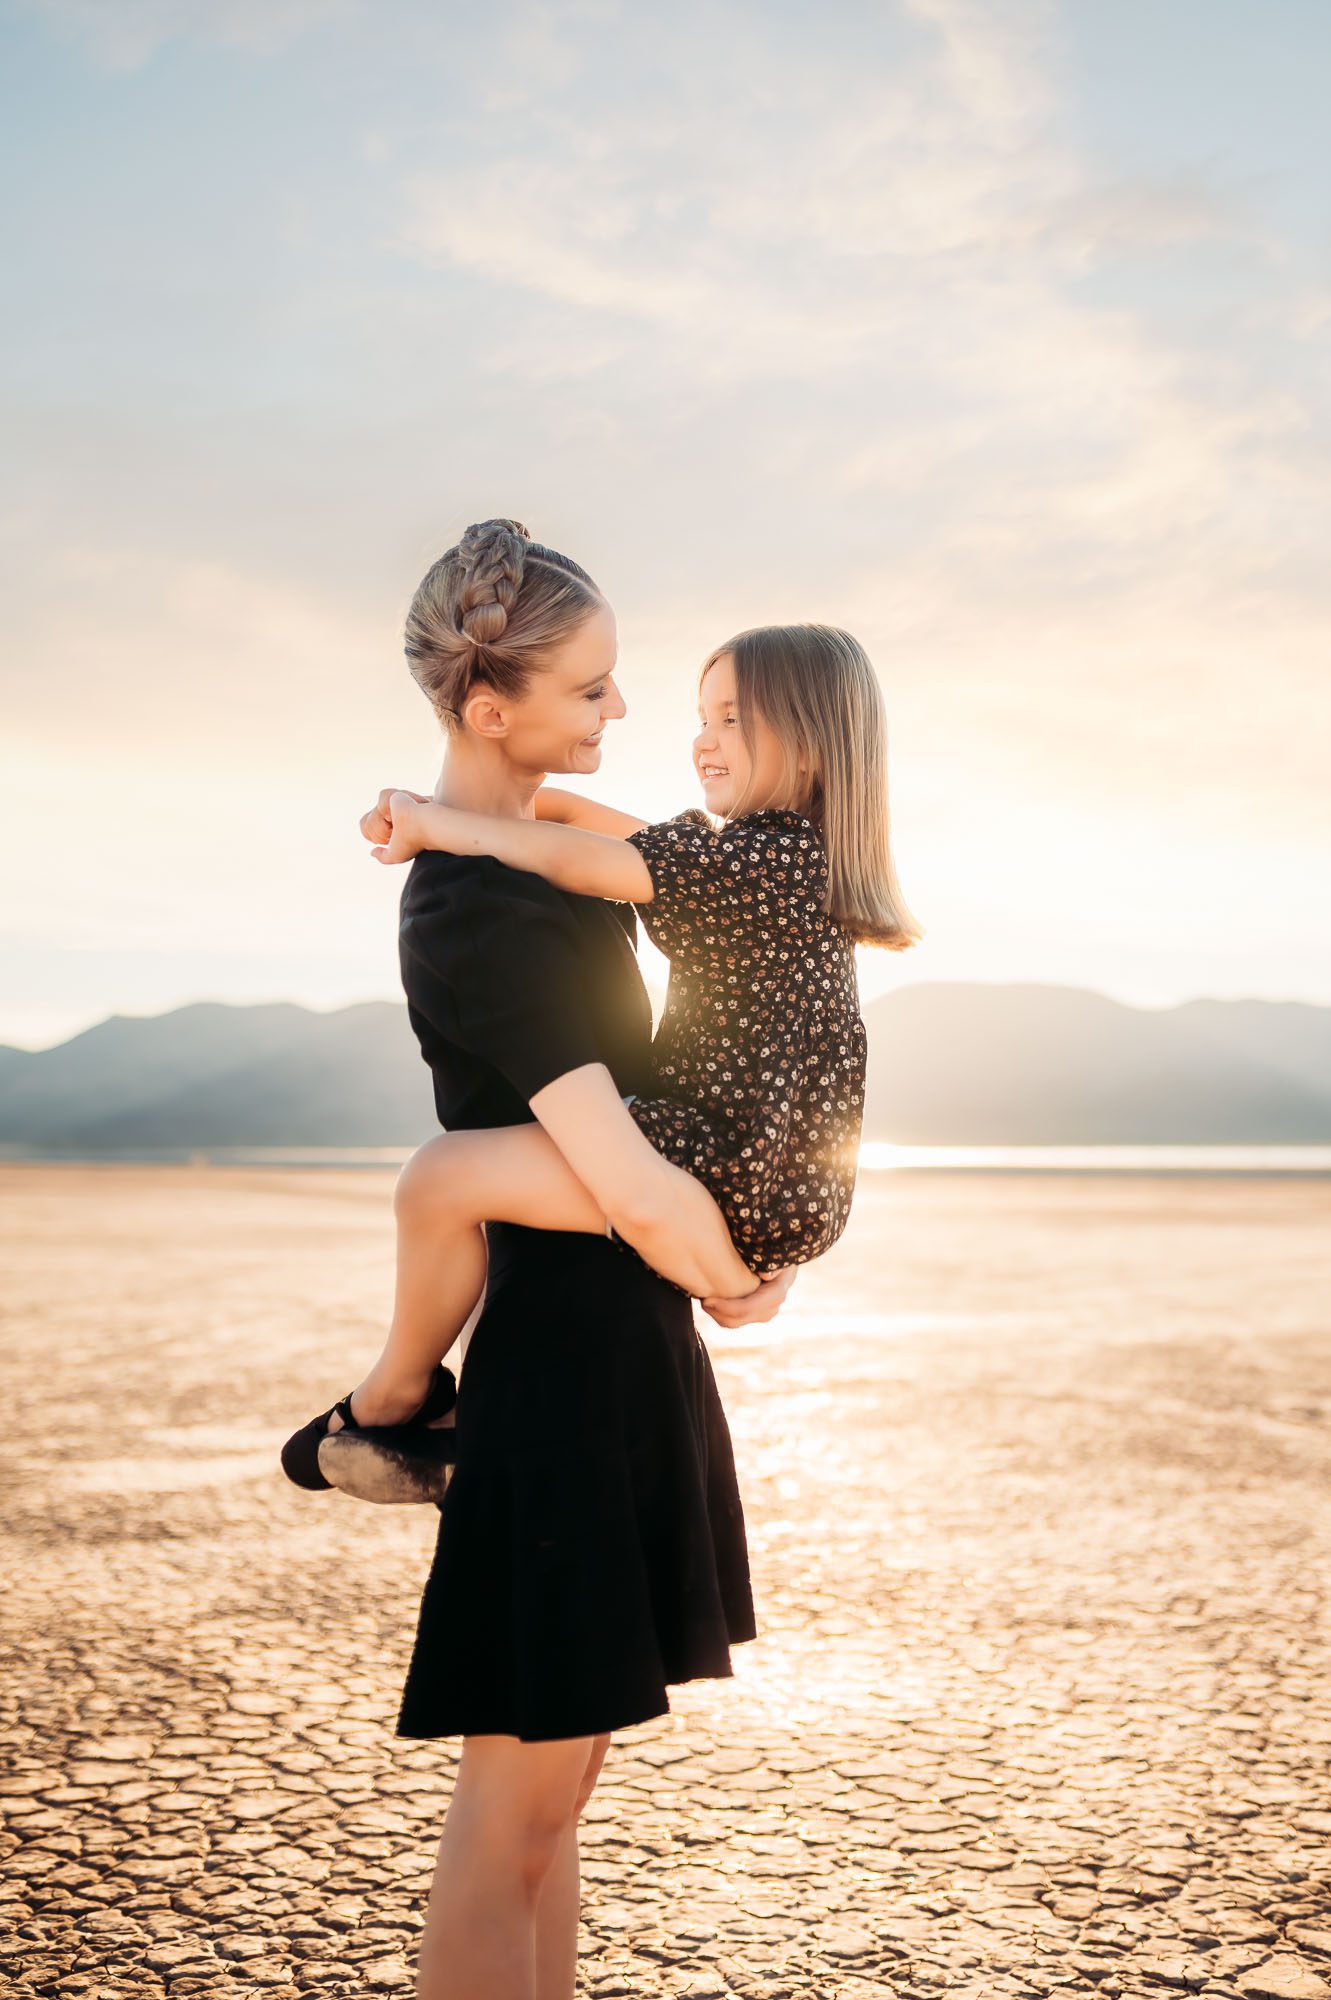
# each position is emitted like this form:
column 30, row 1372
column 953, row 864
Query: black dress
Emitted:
column 591, row 1545
column 758, row 1064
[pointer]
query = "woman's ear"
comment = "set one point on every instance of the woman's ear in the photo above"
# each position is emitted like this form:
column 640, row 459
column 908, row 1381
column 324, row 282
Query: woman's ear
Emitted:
column 482, row 714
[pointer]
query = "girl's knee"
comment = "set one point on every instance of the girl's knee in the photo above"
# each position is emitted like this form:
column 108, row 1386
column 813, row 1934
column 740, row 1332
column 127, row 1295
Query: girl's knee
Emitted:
column 432, row 1176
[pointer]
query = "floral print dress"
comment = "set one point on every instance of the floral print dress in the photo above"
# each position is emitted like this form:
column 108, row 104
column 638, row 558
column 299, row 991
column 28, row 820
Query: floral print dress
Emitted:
column 759, row 1058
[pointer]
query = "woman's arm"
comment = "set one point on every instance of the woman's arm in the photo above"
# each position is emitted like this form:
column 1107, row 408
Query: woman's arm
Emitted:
column 668, row 1217
column 571, row 809
column 587, row 864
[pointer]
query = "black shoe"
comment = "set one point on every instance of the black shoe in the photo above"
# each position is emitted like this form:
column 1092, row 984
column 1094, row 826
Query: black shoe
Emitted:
column 405, row 1465
column 300, row 1453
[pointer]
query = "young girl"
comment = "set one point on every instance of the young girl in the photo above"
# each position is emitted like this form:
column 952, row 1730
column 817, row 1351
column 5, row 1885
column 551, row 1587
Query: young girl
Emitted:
column 758, row 1062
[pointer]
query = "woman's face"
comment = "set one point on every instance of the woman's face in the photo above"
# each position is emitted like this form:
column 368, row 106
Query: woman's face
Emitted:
column 732, row 779
column 557, row 724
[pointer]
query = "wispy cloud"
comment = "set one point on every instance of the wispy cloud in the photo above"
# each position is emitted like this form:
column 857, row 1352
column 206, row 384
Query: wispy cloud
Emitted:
column 763, row 317
column 1026, row 467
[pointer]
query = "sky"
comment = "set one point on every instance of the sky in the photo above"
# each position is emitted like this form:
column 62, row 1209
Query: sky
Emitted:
column 996, row 333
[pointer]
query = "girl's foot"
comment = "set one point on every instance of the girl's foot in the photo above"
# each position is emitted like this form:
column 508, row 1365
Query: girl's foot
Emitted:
column 431, row 1413
column 387, row 1462
column 380, row 1401
column 396, row 1467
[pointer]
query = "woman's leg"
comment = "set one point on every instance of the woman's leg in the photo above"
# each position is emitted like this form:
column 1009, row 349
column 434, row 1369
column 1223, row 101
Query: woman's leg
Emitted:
column 557, row 1911
column 512, row 1807
column 449, row 1186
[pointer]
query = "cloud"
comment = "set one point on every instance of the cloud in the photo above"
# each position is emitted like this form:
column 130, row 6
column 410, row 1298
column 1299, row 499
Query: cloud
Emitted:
column 925, row 220
column 763, row 319
column 970, row 324
column 1098, row 222
column 830, row 339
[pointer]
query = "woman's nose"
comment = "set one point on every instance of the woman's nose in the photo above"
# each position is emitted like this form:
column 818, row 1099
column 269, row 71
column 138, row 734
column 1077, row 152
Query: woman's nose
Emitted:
column 614, row 704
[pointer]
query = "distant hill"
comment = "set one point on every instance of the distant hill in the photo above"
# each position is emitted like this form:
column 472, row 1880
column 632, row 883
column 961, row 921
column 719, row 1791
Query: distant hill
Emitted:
column 1053, row 1065
column 215, row 1075
column 949, row 1065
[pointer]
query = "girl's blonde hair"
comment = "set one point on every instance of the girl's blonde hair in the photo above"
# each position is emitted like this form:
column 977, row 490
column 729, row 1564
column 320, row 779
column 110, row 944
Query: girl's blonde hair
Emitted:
column 814, row 687
column 488, row 611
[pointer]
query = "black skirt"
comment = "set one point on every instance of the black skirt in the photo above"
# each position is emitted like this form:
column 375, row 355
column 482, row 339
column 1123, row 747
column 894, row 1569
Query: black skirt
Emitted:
column 591, row 1544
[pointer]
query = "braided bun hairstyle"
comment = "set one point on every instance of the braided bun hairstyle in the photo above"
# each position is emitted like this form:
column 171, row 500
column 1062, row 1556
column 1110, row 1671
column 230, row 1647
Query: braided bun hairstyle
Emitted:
column 488, row 610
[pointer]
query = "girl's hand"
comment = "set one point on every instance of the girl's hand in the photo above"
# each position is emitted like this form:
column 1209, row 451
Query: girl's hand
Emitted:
column 377, row 823
column 764, row 1304
column 405, row 835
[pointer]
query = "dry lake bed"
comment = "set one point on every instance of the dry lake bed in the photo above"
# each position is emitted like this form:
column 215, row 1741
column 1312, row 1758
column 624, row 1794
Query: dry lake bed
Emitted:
column 1038, row 1480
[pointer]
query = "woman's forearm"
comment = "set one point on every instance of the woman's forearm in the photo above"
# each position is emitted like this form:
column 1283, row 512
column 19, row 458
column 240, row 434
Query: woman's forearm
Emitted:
column 676, row 1227
column 664, row 1213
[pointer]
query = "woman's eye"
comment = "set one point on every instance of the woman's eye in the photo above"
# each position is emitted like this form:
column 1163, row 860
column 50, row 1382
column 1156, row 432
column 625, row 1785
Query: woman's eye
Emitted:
column 597, row 694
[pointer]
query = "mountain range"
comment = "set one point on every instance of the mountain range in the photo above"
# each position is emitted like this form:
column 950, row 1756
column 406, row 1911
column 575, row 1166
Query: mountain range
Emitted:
column 950, row 1064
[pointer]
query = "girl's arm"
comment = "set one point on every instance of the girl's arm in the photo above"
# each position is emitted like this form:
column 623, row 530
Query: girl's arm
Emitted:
column 564, row 808
column 571, row 809
column 586, row 864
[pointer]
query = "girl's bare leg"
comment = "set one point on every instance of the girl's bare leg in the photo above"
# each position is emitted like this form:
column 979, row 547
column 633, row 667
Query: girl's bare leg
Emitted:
column 449, row 1186
column 513, row 1810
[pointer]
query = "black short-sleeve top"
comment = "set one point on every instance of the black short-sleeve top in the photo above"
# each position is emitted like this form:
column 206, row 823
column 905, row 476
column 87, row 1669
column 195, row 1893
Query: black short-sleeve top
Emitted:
column 511, row 983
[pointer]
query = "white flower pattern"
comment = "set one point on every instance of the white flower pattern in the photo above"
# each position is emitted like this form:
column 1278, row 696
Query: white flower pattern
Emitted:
column 759, row 1058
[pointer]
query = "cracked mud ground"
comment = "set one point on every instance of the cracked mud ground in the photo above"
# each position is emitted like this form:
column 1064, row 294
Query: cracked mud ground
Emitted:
column 1036, row 1473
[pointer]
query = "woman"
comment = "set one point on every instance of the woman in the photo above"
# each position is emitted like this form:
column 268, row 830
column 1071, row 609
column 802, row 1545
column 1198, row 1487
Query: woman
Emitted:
column 591, row 1545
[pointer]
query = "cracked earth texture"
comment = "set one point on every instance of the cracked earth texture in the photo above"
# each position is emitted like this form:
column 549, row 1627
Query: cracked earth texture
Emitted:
column 1036, row 1473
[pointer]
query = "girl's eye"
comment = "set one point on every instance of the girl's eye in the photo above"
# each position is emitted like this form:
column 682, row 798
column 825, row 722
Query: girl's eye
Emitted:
column 597, row 694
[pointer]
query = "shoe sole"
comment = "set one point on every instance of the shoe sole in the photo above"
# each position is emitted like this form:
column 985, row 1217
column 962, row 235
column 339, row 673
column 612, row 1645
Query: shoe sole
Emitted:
column 380, row 1472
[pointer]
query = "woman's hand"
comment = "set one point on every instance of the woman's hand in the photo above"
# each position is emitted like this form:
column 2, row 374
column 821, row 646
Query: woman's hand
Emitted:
column 754, row 1307
column 377, row 823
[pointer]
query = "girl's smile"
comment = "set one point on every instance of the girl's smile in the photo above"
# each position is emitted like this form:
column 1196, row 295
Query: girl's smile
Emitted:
column 732, row 780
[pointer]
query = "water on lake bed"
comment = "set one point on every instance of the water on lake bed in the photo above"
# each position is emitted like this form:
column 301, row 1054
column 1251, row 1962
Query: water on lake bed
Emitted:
column 1035, row 1472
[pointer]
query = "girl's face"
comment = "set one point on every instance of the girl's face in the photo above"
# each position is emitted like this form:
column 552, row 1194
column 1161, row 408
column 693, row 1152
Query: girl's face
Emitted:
column 557, row 723
column 732, row 781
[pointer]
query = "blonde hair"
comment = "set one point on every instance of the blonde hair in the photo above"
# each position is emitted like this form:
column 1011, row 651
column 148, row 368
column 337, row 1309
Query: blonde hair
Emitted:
column 815, row 688
column 488, row 611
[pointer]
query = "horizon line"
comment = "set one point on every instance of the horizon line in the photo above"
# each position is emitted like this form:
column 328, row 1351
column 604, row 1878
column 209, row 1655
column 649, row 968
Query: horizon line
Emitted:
column 657, row 990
